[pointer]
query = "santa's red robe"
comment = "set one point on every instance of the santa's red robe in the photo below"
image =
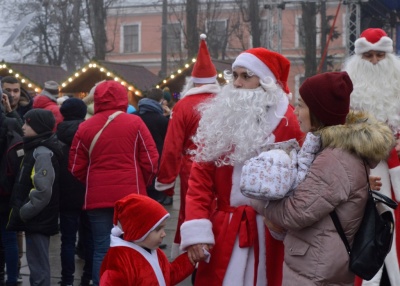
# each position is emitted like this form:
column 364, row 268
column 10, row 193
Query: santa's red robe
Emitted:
column 175, row 159
column 244, row 252
column 129, row 264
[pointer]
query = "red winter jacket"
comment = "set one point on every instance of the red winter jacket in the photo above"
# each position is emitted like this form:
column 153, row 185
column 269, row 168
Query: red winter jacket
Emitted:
column 124, row 159
column 45, row 102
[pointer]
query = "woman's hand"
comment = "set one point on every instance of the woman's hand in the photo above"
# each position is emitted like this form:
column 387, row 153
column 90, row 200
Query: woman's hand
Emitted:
column 375, row 183
column 273, row 227
column 196, row 252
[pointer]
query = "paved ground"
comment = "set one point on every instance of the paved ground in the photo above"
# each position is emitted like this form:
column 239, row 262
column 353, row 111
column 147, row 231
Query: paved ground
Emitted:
column 55, row 251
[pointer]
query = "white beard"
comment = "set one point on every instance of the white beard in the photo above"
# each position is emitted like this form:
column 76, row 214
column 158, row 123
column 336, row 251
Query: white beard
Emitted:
column 376, row 88
column 236, row 123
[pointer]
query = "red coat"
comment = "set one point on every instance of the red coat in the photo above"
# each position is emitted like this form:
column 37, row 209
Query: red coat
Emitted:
column 182, row 126
column 175, row 159
column 124, row 159
column 233, row 221
column 129, row 264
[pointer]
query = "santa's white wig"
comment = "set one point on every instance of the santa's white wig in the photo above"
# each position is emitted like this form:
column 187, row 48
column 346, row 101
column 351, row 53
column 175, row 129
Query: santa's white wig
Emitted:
column 376, row 87
column 235, row 124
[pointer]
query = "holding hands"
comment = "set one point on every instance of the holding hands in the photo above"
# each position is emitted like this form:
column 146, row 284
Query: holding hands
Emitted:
column 199, row 252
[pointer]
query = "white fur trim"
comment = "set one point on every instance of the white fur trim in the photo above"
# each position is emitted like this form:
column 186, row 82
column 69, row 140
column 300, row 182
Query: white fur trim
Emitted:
column 162, row 187
column 204, row 79
column 385, row 44
column 196, row 231
column 395, row 179
column 153, row 228
column 151, row 257
column 207, row 88
column 254, row 64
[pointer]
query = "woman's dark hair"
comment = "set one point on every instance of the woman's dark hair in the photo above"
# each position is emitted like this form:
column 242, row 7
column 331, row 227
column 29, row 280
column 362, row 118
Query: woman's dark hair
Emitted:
column 316, row 124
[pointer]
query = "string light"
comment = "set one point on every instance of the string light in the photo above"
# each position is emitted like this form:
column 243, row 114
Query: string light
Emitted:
column 102, row 69
column 180, row 71
column 22, row 78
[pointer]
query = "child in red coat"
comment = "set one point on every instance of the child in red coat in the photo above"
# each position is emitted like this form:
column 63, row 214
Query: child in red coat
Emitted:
column 134, row 257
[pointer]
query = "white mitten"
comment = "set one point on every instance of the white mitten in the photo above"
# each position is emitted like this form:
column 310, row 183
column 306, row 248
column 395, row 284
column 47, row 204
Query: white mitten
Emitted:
column 269, row 176
column 306, row 156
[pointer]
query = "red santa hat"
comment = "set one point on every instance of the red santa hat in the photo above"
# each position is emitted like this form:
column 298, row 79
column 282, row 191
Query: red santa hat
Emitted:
column 204, row 70
column 373, row 39
column 265, row 63
column 138, row 215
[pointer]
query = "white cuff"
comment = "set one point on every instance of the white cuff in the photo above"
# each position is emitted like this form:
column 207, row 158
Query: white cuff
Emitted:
column 162, row 187
column 196, row 231
column 395, row 180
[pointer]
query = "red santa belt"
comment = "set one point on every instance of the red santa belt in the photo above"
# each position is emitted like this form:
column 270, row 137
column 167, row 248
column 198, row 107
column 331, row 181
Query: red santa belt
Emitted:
column 242, row 223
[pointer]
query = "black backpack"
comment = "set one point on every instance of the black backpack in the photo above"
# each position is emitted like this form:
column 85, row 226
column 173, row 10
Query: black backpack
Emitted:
column 12, row 153
column 373, row 240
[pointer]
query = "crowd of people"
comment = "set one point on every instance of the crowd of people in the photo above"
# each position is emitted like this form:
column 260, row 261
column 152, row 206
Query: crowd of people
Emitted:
column 105, row 169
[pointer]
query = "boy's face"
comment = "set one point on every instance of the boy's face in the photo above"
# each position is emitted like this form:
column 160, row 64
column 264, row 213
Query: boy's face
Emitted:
column 154, row 238
column 28, row 131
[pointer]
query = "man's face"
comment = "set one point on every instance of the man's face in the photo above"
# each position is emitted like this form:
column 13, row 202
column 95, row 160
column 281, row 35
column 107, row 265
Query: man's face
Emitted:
column 241, row 79
column 15, row 90
column 373, row 56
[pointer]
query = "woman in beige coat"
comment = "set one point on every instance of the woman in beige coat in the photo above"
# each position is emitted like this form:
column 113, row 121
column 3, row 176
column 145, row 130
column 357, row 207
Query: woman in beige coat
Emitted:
column 336, row 180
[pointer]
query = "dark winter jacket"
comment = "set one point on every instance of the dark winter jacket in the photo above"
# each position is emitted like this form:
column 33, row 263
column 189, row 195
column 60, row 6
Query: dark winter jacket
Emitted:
column 151, row 113
column 72, row 192
column 35, row 196
column 11, row 153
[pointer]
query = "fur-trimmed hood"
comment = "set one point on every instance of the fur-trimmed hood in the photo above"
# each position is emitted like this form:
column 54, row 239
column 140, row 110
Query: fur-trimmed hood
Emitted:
column 362, row 135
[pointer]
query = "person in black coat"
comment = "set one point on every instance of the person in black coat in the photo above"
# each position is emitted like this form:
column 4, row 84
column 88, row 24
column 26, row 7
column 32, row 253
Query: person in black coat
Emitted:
column 72, row 194
column 11, row 154
column 151, row 112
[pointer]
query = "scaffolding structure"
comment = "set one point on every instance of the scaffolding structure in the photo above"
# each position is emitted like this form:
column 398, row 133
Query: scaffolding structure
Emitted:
column 274, row 22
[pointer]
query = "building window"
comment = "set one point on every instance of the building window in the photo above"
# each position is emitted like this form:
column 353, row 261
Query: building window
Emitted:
column 298, row 81
column 264, row 33
column 174, row 38
column 216, row 37
column 299, row 40
column 131, row 38
column 300, row 34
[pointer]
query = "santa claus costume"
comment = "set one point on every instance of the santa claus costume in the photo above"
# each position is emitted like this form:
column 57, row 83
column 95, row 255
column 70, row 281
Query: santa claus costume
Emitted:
column 377, row 90
column 234, row 127
column 176, row 159
column 127, row 263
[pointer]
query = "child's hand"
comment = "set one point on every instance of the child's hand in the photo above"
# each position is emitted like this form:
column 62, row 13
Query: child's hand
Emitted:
column 196, row 252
